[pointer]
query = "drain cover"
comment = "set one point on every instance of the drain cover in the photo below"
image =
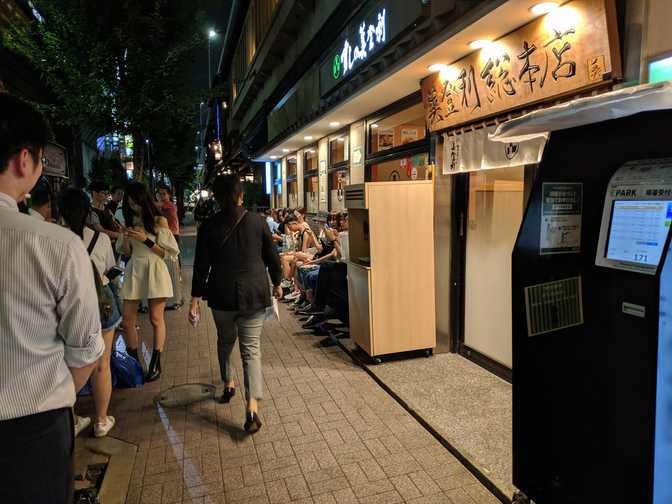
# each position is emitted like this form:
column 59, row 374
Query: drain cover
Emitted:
column 182, row 395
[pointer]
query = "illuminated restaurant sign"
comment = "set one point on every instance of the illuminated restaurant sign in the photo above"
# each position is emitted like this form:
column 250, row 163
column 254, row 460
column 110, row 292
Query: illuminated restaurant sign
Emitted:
column 363, row 38
column 570, row 49
column 371, row 37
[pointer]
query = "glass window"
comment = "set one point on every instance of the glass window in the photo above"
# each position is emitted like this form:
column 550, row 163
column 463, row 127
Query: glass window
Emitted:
column 406, row 168
column 398, row 129
column 310, row 160
column 291, row 167
column 293, row 194
column 337, row 182
column 338, row 149
column 312, row 194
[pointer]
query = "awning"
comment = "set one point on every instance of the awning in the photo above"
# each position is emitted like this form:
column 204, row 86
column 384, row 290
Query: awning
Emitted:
column 582, row 111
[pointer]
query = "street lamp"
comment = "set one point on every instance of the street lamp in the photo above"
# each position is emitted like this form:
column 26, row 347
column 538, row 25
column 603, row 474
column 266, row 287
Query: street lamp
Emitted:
column 211, row 35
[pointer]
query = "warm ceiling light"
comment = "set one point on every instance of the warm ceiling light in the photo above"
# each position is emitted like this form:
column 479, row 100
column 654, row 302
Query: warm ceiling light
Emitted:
column 543, row 8
column 308, row 137
column 479, row 44
column 334, row 124
column 285, row 151
column 374, row 125
column 436, row 67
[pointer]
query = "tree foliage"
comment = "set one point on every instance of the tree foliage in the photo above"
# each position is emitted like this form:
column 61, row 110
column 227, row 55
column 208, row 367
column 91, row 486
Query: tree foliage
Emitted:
column 117, row 66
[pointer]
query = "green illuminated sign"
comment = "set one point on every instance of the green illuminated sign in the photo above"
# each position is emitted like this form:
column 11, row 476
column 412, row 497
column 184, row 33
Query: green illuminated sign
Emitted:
column 336, row 67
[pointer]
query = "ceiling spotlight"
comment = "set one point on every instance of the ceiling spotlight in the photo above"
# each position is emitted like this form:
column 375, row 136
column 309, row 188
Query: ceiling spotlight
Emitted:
column 543, row 8
column 374, row 126
column 274, row 157
column 479, row 44
column 436, row 67
column 308, row 137
column 334, row 124
column 285, row 151
column 212, row 33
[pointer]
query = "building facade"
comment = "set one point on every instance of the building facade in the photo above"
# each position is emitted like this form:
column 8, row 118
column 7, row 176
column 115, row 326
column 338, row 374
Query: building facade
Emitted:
column 335, row 94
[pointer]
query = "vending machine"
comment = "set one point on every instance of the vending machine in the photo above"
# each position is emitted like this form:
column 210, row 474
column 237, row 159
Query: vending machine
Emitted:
column 592, row 327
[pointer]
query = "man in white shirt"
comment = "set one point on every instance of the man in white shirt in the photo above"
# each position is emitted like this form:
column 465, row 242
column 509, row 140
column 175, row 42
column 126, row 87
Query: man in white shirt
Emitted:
column 50, row 333
column 40, row 204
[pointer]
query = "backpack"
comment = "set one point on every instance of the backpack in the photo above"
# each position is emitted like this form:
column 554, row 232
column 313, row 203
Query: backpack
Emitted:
column 104, row 298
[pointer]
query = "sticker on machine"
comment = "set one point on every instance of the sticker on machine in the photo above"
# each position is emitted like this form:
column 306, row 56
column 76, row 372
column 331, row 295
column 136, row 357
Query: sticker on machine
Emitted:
column 561, row 210
column 553, row 306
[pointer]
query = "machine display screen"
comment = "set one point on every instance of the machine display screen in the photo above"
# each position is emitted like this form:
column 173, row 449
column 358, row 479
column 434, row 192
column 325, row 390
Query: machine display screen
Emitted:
column 638, row 230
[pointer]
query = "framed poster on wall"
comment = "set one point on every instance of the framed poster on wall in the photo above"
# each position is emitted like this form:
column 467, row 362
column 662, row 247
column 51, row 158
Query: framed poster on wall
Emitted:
column 409, row 135
column 385, row 139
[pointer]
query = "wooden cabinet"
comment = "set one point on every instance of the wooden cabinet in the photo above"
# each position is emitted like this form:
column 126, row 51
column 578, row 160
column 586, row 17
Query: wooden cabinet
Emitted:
column 391, row 267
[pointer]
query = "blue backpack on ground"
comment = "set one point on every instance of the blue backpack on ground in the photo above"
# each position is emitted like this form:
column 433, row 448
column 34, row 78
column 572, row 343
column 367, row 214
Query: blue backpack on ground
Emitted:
column 127, row 370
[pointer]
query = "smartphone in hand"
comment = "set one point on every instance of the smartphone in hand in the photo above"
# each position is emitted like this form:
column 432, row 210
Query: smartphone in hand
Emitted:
column 194, row 318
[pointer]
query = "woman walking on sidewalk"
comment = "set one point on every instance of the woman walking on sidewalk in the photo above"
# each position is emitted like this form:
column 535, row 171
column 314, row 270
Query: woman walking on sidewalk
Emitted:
column 147, row 241
column 233, row 250
column 75, row 208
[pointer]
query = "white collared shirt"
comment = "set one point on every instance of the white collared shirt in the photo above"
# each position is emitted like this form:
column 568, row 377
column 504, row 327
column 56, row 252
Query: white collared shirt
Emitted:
column 49, row 319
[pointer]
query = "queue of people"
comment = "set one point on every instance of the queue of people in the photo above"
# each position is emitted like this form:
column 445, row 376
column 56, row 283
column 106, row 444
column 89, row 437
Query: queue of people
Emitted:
column 313, row 265
column 65, row 296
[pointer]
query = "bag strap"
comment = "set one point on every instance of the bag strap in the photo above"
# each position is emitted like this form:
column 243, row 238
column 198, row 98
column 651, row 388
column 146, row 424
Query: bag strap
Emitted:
column 233, row 228
column 94, row 240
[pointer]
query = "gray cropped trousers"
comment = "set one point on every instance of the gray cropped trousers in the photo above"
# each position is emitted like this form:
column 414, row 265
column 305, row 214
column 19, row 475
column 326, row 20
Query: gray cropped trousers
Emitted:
column 246, row 327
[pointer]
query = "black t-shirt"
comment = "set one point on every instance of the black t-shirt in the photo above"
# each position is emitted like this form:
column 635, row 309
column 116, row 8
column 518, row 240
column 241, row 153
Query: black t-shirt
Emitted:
column 106, row 219
column 112, row 206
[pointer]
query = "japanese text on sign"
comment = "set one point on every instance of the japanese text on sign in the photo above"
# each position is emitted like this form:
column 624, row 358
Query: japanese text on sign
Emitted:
column 564, row 51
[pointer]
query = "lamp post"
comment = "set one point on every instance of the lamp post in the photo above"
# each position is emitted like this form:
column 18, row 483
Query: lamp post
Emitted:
column 211, row 35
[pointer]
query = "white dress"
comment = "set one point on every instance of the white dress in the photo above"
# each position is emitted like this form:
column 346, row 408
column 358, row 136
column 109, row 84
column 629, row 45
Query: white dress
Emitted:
column 146, row 275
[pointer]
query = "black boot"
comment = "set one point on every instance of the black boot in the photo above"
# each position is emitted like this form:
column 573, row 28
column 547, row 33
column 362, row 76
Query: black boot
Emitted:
column 133, row 352
column 154, row 370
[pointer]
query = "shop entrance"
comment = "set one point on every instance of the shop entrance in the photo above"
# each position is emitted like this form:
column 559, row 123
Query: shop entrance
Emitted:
column 491, row 212
column 493, row 218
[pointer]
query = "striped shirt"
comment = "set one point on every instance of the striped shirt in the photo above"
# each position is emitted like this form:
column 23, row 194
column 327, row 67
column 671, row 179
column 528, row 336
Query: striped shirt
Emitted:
column 49, row 319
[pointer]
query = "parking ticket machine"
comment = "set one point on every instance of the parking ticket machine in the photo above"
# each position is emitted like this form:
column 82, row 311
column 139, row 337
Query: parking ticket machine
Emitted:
column 592, row 309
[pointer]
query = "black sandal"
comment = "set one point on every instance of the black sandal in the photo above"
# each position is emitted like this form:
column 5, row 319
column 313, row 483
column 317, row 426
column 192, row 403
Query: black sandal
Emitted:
column 252, row 422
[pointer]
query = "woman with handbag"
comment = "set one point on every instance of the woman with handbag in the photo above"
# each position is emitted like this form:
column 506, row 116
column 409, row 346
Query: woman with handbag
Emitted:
column 234, row 248
column 147, row 241
column 75, row 208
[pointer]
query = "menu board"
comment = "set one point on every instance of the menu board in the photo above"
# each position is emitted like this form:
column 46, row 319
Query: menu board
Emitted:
column 639, row 230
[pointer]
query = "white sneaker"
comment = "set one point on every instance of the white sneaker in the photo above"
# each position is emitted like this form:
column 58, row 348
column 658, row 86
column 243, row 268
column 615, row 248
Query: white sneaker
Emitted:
column 293, row 296
column 286, row 284
column 81, row 423
column 100, row 429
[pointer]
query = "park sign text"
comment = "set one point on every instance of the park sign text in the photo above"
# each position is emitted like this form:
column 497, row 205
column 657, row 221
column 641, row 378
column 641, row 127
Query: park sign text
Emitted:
column 568, row 50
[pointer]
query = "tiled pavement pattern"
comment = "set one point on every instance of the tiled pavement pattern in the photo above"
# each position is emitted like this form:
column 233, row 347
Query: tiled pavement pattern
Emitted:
column 330, row 434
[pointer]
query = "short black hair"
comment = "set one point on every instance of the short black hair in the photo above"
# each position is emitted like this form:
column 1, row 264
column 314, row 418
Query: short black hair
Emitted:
column 99, row 185
column 227, row 189
column 116, row 188
column 165, row 188
column 22, row 126
column 40, row 196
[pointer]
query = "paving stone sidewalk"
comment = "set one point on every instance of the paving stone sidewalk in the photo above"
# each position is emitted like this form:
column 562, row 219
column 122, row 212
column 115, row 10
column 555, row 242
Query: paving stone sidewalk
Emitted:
column 330, row 434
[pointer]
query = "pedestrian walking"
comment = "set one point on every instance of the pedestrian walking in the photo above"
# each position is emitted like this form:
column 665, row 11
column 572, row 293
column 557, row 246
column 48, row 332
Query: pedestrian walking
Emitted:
column 50, row 331
column 233, row 250
column 74, row 206
column 147, row 241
